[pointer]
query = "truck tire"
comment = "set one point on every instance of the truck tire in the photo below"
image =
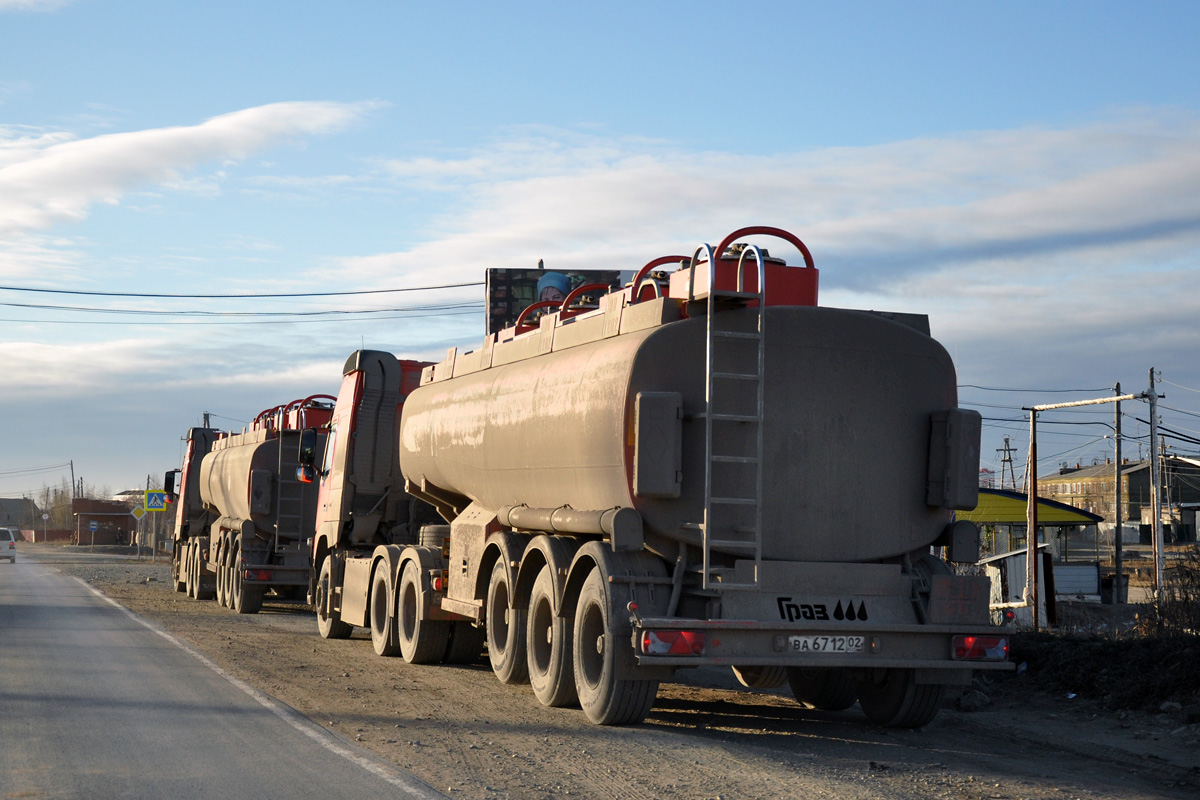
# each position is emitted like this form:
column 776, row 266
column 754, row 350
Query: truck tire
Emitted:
column 822, row 688
column 223, row 575
column 247, row 599
column 178, row 575
column 760, row 677
column 383, row 623
column 465, row 645
column 605, row 699
column 422, row 640
column 329, row 623
column 548, row 645
column 189, row 580
column 894, row 699
column 505, row 630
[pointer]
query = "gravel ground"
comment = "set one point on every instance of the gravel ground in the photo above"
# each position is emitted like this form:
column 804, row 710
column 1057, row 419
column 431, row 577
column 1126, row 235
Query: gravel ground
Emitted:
column 470, row 736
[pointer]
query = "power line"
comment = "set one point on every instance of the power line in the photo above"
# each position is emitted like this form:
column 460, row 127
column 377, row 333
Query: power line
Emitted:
column 238, row 296
column 1033, row 391
column 330, row 312
column 413, row 315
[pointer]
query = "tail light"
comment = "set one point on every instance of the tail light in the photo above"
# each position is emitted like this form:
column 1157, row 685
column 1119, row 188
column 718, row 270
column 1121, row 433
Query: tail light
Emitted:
column 981, row 648
column 673, row 643
column 259, row 574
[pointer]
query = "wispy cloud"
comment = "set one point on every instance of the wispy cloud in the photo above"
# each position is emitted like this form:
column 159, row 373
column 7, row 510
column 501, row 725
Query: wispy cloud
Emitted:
column 46, row 179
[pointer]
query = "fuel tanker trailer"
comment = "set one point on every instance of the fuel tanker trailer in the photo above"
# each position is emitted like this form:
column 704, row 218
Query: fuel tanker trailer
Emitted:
column 707, row 468
column 244, row 519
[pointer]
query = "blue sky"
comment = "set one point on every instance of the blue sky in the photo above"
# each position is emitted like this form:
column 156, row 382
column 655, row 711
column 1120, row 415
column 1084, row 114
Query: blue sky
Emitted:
column 1028, row 174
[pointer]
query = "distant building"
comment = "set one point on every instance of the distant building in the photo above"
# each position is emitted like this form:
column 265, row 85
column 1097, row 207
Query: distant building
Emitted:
column 18, row 512
column 1092, row 488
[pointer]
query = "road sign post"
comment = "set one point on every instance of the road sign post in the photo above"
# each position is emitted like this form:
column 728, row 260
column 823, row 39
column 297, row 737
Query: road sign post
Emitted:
column 92, row 526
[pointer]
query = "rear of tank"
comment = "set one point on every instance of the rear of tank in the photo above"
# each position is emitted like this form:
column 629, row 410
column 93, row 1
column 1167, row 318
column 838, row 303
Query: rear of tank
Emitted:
column 848, row 401
column 237, row 479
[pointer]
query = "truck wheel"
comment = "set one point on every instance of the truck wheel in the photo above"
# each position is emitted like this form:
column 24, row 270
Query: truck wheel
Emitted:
column 223, row 575
column 246, row 599
column 422, row 640
column 329, row 623
column 178, row 577
column 466, row 643
column 895, row 700
column 822, row 688
column 383, row 624
column 548, row 644
column 189, row 581
column 505, row 630
column 760, row 677
column 605, row 698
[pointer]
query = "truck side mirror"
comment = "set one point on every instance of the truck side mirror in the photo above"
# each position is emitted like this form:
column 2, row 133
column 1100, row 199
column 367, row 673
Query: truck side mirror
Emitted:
column 305, row 473
column 308, row 448
column 169, row 483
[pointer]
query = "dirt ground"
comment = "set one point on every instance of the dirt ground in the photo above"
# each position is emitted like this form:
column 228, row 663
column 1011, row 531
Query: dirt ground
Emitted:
column 469, row 736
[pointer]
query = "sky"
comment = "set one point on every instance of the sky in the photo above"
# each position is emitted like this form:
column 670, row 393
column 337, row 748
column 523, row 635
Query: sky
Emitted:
column 1027, row 174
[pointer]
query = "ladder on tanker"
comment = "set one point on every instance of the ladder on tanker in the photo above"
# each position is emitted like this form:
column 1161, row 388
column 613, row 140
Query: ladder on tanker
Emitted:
column 289, row 511
column 733, row 423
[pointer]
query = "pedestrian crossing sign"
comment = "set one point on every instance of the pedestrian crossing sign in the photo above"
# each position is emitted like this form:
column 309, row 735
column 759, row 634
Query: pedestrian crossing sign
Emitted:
column 156, row 501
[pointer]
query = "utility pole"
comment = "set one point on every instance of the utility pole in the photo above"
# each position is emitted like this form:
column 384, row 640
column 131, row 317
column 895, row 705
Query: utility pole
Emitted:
column 1031, row 548
column 1118, row 582
column 72, row 463
column 1155, row 493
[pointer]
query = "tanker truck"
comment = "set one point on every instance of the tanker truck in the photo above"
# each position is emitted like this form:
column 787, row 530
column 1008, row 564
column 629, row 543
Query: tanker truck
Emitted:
column 709, row 469
column 243, row 519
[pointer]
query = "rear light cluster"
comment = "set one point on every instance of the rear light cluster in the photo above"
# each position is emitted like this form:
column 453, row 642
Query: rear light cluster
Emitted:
column 438, row 582
column 259, row 574
column 673, row 643
column 981, row 648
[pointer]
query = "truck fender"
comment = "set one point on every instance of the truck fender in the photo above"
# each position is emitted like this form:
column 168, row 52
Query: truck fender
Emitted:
column 649, row 588
column 508, row 547
column 387, row 557
column 426, row 560
column 555, row 551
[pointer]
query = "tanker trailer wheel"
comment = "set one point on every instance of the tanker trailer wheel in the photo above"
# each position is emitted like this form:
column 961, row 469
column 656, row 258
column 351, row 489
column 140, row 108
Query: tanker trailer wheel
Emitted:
column 466, row 643
column 329, row 623
column 605, row 698
column 384, row 638
column 893, row 698
column 422, row 640
column 247, row 599
column 822, row 688
column 505, row 630
column 548, row 644
column 223, row 588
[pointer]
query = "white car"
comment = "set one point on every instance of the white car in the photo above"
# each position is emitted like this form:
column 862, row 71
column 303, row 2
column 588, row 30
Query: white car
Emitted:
column 8, row 544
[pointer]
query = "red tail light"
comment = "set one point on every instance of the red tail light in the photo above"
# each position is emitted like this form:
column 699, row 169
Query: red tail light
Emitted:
column 981, row 648
column 259, row 574
column 673, row 643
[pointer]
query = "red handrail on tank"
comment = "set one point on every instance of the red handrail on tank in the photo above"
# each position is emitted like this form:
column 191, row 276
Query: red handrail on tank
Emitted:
column 644, row 271
column 524, row 327
column 567, row 312
column 764, row 230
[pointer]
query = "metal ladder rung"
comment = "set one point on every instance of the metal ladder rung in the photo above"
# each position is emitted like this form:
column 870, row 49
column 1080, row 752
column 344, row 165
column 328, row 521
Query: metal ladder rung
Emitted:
column 736, row 376
column 735, row 459
column 732, row 544
column 736, row 417
column 735, row 335
column 723, row 295
column 734, row 501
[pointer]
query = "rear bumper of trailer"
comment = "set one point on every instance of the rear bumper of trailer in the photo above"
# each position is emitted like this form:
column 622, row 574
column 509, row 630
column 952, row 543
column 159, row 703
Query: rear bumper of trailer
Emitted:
column 676, row 642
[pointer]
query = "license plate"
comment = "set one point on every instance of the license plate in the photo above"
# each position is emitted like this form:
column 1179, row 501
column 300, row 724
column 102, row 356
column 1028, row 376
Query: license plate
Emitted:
column 825, row 644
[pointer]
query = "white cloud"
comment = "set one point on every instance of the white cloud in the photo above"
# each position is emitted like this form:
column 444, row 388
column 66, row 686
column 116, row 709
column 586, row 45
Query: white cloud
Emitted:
column 46, row 179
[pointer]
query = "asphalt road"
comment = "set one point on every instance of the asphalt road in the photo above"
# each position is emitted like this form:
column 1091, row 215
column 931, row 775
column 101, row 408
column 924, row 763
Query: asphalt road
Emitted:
column 96, row 703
